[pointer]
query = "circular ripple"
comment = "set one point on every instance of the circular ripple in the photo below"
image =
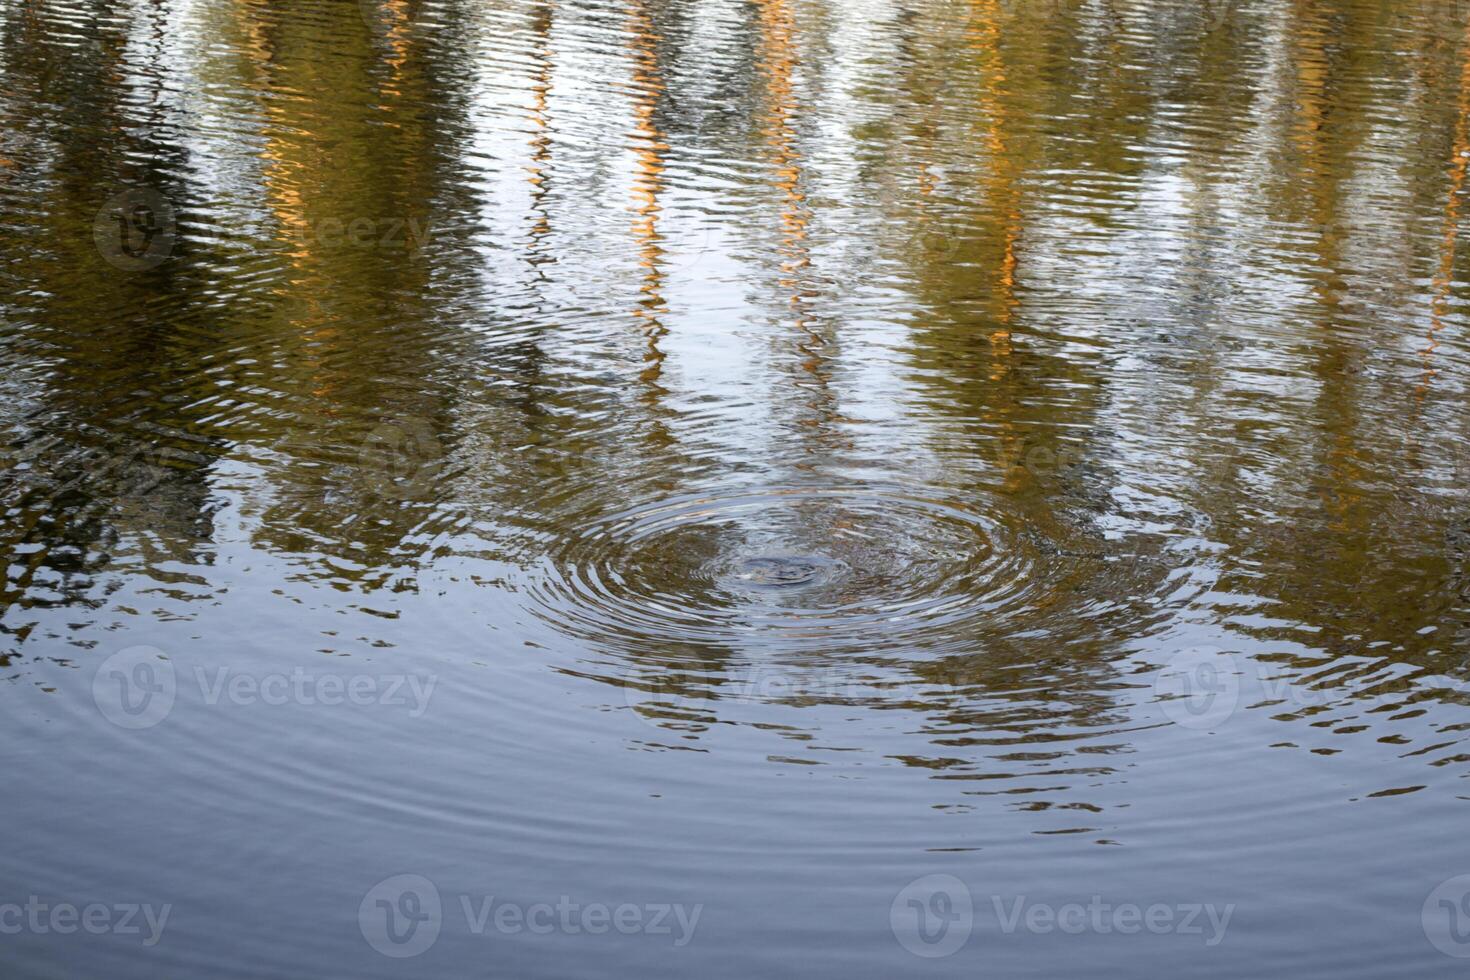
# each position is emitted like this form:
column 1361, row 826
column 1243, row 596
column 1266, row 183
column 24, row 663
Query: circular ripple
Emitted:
column 812, row 568
column 784, row 571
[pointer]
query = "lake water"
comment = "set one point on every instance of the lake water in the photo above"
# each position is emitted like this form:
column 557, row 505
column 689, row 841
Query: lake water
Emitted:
column 733, row 488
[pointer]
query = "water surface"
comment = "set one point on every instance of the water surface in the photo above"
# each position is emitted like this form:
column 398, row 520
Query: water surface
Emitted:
column 744, row 455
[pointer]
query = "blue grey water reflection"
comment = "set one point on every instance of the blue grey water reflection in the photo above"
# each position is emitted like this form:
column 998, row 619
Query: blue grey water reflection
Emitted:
column 727, row 487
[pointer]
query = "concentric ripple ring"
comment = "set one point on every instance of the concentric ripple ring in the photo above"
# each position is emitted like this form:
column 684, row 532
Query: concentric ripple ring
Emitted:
column 820, row 569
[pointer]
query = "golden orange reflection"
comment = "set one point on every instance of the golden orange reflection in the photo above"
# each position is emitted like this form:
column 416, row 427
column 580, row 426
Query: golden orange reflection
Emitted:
column 777, row 60
column 396, row 15
column 280, row 154
column 1310, row 39
column 1001, row 184
column 1459, row 160
column 1311, row 78
column 648, row 151
column 539, row 169
column 1319, row 139
column 1002, row 200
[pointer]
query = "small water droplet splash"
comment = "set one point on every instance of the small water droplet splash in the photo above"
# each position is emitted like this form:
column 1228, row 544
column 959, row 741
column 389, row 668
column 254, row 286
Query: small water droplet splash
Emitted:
column 785, row 571
column 811, row 570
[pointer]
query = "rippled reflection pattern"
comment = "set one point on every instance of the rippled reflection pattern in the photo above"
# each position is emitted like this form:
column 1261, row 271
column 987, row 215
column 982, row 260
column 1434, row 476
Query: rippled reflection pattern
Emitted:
column 845, row 572
column 776, row 455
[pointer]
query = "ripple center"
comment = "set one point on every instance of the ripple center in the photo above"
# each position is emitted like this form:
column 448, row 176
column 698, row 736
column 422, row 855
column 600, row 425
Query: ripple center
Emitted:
column 783, row 571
